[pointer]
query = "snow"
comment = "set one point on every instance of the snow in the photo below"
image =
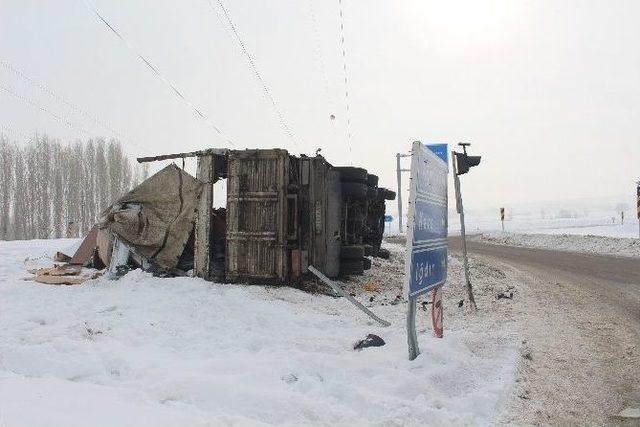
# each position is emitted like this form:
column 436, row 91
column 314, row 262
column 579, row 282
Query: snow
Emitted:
column 183, row 351
column 567, row 242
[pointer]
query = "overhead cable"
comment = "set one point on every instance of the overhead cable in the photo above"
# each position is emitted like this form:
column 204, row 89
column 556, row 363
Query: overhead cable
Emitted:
column 256, row 73
column 346, row 80
column 155, row 70
column 57, row 117
column 80, row 111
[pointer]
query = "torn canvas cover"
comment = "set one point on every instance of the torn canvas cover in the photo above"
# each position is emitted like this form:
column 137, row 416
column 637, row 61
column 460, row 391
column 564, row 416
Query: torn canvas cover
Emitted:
column 156, row 218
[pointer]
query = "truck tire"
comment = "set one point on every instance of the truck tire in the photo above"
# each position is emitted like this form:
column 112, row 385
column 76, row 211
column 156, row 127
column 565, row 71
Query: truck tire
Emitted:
column 354, row 190
column 352, row 252
column 372, row 180
column 366, row 263
column 351, row 174
column 368, row 250
column 384, row 194
column 372, row 193
column 384, row 253
column 351, row 266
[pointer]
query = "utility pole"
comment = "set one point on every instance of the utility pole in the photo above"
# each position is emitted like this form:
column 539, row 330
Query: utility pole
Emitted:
column 399, row 171
column 461, row 164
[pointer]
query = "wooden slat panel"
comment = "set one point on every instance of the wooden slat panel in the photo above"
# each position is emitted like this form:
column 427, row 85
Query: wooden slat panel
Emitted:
column 256, row 203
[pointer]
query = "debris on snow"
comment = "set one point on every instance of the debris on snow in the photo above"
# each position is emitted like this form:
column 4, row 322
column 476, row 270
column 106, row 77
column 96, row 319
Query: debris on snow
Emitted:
column 372, row 340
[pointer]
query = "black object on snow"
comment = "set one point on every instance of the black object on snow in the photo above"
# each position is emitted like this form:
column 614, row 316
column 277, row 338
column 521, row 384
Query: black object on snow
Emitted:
column 504, row 295
column 370, row 341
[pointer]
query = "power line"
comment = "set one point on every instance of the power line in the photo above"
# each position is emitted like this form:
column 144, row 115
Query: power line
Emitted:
column 318, row 52
column 44, row 88
column 256, row 72
column 57, row 117
column 155, row 70
column 346, row 81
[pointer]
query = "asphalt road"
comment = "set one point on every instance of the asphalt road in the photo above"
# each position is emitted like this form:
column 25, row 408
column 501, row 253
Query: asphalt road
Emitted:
column 582, row 321
column 607, row 268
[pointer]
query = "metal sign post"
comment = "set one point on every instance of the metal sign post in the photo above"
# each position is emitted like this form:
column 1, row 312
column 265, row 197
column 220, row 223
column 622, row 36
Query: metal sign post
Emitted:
column 462, row 162
column 460, row 209
column 426, row 255
column 399, row 171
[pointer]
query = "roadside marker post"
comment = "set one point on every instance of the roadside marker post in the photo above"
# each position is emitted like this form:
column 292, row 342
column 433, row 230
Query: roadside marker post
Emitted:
column 427, row 229
column 502, row 218
column 638, row 206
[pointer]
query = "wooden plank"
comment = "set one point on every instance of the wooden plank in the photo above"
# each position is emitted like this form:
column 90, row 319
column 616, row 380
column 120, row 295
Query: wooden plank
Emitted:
column 202, row 252
column 85, row 252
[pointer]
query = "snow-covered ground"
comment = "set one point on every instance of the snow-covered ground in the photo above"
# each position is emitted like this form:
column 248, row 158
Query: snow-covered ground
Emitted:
column 567, row 242
column 182, row 351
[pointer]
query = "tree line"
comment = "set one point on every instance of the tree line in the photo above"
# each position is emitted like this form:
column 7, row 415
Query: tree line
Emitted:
column 50, row 189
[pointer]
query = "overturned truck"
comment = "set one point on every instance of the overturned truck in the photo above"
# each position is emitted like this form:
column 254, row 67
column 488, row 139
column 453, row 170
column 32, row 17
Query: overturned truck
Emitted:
column 283, row 213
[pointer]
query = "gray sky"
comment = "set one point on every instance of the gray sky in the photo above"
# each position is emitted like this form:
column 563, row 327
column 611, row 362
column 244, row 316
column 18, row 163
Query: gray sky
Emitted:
column 547, row 91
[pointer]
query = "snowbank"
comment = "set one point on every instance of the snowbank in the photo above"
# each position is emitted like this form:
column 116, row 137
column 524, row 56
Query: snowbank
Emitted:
column 182, row 351
column 566, row 242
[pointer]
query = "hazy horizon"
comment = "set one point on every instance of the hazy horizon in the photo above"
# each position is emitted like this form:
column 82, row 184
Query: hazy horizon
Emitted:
column 548, row 93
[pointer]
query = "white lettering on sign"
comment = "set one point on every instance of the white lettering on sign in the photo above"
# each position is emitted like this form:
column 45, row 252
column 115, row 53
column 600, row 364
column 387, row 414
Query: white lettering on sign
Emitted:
column 424, row 271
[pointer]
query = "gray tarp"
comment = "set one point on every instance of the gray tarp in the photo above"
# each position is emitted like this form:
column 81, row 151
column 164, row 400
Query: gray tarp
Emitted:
column 156, row 218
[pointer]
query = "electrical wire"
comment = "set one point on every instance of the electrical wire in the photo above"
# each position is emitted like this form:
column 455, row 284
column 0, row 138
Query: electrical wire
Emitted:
column 157, row 73
column 256, row 72
column 319, row 56
column 346, row 81
column 44, row 88
column 57, row 117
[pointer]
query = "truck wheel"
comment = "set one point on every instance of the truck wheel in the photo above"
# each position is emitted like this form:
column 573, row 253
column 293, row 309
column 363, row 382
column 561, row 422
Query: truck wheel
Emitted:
column 368, row 250
column 366, row 263
column 384, row 194
column 354, row 190
column 352, row 252
column 372, row 180
column 352, row 266
column 351, row 174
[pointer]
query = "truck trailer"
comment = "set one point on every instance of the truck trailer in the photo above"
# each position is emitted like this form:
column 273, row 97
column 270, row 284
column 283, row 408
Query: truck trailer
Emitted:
column 282, row 214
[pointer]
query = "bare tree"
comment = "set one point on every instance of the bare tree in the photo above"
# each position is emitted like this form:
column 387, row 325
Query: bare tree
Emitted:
column 50, row 189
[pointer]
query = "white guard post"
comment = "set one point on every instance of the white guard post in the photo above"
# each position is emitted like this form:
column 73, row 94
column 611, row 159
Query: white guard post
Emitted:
column 426, row 254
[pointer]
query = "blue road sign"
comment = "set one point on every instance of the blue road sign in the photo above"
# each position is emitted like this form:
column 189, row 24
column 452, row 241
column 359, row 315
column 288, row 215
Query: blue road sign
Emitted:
column 427, row 237
column 441, row 151
column 388, row 218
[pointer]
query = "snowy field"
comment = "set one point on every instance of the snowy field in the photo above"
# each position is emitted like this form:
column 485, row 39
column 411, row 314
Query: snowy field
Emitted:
column 145, row 351
column 597, row 217
column 566, row 242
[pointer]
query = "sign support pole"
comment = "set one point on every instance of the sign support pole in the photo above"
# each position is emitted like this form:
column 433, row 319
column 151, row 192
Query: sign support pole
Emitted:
column 460, row 209
column 412, row 338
